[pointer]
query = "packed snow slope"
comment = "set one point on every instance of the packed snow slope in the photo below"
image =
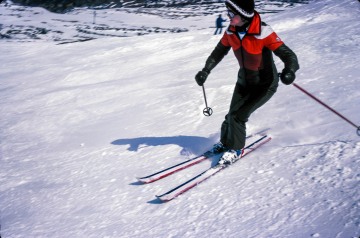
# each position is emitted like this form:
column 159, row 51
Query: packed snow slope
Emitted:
column 80, row 121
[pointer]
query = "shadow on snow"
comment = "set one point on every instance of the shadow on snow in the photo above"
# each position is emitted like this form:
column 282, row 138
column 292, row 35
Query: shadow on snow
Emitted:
column 189, row 144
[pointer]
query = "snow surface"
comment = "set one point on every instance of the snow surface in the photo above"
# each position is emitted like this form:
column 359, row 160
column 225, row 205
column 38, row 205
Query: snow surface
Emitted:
column 80, row 121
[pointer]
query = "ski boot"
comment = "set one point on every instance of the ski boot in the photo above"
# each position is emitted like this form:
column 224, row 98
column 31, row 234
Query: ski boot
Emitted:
column 230, row 156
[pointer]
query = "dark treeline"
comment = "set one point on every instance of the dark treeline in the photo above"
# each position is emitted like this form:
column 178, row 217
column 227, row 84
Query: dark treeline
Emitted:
column 61, row 6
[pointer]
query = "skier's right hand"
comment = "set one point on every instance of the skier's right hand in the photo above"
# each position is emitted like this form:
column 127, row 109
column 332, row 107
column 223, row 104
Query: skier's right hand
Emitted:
column 201, row 77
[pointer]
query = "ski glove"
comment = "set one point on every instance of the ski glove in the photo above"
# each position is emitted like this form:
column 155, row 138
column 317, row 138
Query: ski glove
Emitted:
column 287, row 76
column 201, row 77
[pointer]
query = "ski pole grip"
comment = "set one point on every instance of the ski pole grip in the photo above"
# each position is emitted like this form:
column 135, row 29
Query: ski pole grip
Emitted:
column 358, row 131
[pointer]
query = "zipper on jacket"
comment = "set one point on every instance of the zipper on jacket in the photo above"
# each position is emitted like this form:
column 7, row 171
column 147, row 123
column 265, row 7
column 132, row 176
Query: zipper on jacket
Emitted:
column 242, row 50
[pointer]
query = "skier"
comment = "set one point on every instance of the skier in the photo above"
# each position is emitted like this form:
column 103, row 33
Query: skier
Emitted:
column 253, row 42
column 219, row 25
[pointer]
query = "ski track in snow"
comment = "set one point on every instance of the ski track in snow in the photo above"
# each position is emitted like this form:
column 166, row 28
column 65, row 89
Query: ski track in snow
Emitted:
column 80, row 121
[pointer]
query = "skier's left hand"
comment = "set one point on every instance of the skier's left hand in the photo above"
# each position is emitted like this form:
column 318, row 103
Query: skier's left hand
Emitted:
column 287, row 76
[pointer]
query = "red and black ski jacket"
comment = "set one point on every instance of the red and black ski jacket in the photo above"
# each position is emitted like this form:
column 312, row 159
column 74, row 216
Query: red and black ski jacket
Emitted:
column 254, row 53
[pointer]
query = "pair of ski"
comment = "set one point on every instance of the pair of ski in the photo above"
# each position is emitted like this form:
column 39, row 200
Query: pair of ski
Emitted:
column 260, row 138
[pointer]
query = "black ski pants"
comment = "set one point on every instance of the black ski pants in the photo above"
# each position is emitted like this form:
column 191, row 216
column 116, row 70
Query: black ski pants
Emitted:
column 243, row 103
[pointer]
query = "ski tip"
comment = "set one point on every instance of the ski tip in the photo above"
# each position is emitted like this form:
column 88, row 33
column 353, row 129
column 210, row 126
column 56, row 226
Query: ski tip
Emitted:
column 264, row 131
column 260, row 132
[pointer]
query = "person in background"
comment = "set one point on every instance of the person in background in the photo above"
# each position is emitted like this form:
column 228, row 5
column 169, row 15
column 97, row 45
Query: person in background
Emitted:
column 219, row 24
column 253, row 43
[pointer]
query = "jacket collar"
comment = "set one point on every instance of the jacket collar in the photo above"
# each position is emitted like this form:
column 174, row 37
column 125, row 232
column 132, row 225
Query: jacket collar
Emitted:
column 254, row 28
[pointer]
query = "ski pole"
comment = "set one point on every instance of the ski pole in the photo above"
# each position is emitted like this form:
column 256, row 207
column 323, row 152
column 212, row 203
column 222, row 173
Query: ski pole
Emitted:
column 328, row 107
column 207, row 110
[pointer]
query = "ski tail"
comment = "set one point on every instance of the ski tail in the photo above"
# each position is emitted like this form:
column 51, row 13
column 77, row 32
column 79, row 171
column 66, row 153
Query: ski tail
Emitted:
column 173, row 169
